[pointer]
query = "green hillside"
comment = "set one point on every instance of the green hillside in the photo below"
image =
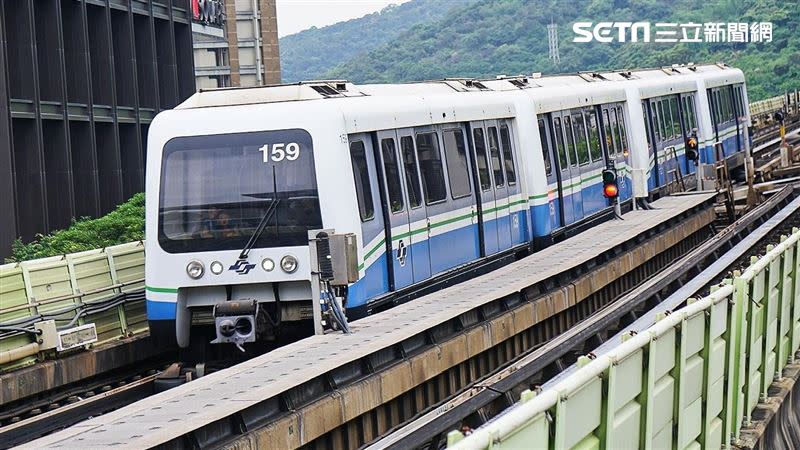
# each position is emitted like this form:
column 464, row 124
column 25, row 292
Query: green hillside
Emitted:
column 494, row 37
column 309, row 54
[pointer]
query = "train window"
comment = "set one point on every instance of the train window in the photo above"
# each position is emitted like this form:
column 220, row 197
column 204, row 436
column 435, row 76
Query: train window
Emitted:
column 548, row 168
column 392, row 171
column 581, row 143
column 725, row 104
column 607, row 127
column 563, row 162
column 647, row 128
column 737, row 97
column 569, row 146
column 410, row 168
column 358, row 158
column 712, row 101
column 668, row 129
column 655, row 120
column 726, row 94
column 712, row 105
column 623, row 138
column 430, row 163
column 610, row 128
column 688, row 114
column 731, row 105
column 508, row 155
column 494, row 154
column 594, row 136
column 740, row 96
column 676, row 117
column 661, row 129
column 482, row 162
column 455, row 155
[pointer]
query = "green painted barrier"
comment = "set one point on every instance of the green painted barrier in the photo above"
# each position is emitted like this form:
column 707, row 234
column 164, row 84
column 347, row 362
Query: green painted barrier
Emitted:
column 103, row 286
column 690, row 381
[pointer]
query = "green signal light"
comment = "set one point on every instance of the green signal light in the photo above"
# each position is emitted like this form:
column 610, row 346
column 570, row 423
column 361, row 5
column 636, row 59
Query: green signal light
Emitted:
column 609, row 176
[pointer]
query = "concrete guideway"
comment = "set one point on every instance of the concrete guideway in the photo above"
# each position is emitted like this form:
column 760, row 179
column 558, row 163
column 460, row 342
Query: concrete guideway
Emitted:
column 693, row 378
column 246, row 392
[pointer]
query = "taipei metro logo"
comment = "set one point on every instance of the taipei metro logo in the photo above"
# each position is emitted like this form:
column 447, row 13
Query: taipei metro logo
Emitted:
column 242, row 267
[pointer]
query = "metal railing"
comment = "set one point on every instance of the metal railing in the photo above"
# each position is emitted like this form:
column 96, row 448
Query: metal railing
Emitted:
column 692, row 378
column 102, row 286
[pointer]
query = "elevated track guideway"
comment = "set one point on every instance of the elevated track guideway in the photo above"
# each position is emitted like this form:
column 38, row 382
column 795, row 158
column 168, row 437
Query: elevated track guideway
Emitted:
column 711, row 373
column 342, row 391
column 632, row 313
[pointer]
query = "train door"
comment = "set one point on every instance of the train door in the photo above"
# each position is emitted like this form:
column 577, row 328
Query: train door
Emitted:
column 738, row 112
column 486, row 192
column 374, row 279
column 396, row 209
column 592, row 162
column 575, row 134
column 452, row 230
column 516, row 201
column 617, row 145
column 650, row 123
column 417, row 215
column 668, row 137
column 500, row 185
column 713, row 106
column 556, row 212
column 564, row 169
column 689, row 123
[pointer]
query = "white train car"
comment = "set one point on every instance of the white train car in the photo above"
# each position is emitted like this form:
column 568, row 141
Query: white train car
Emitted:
column 437, row 180
column 674, row 104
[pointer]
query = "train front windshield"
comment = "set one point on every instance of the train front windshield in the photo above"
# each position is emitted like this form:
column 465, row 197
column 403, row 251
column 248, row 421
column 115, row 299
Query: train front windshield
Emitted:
column 216, row 189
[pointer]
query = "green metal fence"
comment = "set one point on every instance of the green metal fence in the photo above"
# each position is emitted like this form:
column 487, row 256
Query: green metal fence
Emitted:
column 98, row 286
column 689, row 381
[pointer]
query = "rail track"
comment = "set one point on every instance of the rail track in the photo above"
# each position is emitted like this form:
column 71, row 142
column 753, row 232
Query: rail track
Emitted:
column 691, row 274
column 68, row 407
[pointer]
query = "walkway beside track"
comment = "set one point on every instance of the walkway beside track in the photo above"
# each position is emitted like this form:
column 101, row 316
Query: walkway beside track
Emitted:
column 246, row 387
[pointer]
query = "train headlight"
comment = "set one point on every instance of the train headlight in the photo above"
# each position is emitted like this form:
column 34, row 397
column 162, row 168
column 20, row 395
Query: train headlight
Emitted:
column 195, row 269
column 267, row 264
column 216, row 267
column 289, row 264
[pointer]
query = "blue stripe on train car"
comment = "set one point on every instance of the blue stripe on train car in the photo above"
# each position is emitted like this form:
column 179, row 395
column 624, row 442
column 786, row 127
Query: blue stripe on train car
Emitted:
column 625, row 186
column 519, row 227
column 593, row 198
column 454, row 248
column 541, row 220
column 707, row 155
column 160, row 310
column 374, row 283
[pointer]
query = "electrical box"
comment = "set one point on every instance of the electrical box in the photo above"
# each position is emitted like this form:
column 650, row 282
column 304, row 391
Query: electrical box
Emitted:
column 61, row 340
column 344, row 258
column 48, row 334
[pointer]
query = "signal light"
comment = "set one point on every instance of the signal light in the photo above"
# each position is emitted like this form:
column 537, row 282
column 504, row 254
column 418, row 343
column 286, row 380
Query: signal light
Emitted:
column 691, row 148
column 610, row 189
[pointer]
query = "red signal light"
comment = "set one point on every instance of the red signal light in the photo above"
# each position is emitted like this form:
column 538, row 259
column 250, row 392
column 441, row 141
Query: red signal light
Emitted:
column 610, row 191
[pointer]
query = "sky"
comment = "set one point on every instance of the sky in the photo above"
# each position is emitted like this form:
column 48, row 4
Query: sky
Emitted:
column 299, row 15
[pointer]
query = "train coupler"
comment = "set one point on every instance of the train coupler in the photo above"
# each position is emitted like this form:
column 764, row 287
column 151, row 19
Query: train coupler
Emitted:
column 235, row 322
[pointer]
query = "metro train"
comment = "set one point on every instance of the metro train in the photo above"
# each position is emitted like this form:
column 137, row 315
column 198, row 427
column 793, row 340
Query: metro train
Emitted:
column 436, row 179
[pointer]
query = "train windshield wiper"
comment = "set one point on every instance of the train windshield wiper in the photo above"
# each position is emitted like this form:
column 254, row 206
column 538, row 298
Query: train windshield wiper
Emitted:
column 273, row 206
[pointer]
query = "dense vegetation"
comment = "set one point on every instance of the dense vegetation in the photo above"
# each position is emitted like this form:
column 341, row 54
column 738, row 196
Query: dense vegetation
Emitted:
column 493, row 37
column 124, row 224
column 311, row 53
